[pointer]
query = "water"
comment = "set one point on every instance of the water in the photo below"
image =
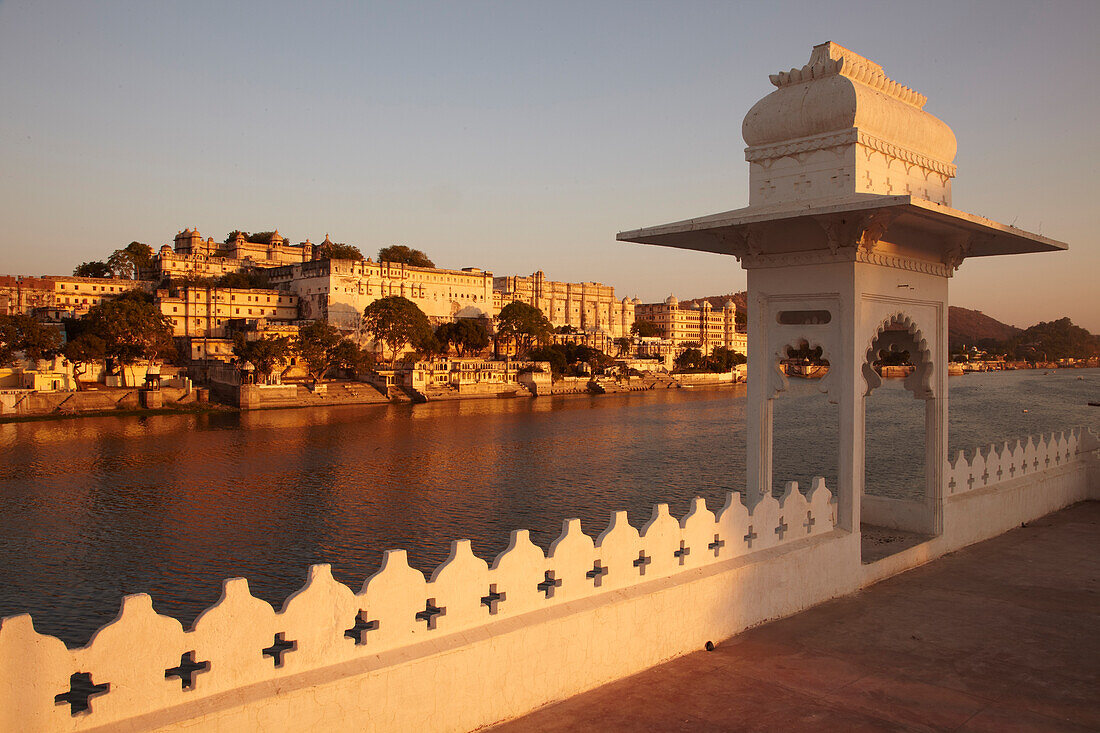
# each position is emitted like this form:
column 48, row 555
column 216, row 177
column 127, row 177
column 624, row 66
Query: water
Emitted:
column 96, row 508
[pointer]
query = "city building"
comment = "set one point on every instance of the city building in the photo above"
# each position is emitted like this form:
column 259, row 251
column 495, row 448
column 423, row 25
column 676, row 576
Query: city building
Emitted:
column 697, row 323
column 77, row 295
column 588, row 307
column 23, row 294
column 206, row 311
column 192, row 256
column 339, row 290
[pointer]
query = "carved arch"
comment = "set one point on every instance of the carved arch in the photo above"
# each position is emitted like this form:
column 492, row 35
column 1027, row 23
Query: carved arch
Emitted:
column 908, row 338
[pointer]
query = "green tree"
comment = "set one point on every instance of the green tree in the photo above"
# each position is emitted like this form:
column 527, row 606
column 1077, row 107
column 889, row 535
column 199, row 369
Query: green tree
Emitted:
column 244, row 279
column 83, row 351
column 690, row 359
column 351, row 359
column 316, row 344
column 128, row 262
column 132, row 328
column 334, row 251
column 396, row 322
column 466, row 335
column 265, row 354
column 723, row 359
column 401, row 253
column 21, row 333
column 95, row 268
column 524, row 325
column 233, row 235
column 645, row 329
column 259, row 237
column 623, row 344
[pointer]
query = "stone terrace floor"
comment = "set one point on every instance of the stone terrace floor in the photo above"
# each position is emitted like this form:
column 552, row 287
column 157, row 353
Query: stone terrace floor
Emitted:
column 1000, row 636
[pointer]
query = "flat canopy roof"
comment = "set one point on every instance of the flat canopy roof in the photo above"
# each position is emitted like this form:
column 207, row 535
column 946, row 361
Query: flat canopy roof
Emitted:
column 706, row 233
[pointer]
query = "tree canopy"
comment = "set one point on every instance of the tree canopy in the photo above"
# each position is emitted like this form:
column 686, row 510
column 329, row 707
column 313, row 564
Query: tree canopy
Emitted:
column 572, row 360
column 85, row 349
column 465, row 335
column 245, row 279
column 131, row 327
column 95, row 268
column 264, row 354
column 721, row 359
column 524, row 325
column 401, row 253
column 21, row 333
column 334, row 251
column 316, row 344
column 396, row 322
column 128, row 262
column 645, row 329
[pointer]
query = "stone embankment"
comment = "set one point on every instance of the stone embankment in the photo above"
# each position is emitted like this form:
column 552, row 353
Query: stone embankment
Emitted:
column 17, row 404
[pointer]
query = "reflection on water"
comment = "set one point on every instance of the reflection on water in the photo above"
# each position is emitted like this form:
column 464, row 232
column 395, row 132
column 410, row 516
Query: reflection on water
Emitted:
column 97, row 508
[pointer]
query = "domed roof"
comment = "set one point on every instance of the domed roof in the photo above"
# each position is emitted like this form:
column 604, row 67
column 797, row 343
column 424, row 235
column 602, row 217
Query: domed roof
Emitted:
column 839, row 90
column 671, row 300
column 730, row 305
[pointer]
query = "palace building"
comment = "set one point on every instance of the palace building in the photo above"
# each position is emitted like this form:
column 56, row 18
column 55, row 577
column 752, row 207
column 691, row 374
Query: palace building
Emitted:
column 697, row 323
column 588, row 307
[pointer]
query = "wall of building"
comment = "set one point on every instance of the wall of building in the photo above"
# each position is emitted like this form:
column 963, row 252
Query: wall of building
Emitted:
column 588, row 306
column 339, row 290
column 477, row 643
column 700, row 324
column 206, row 311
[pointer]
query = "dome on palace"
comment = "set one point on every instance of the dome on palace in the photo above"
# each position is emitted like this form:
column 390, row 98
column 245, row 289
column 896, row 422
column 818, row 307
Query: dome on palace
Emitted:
column 671, row 300
column 730, row 305
column 838, row 91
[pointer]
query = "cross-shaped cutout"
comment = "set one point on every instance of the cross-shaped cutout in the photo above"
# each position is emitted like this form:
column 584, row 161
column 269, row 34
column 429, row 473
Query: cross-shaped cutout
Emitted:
column 970, row 482
column 359, row 629
column 1012, row 470
column 596, row 573
column 430, row 613
column 717, row 545
column 279, row 648
column 951, row 484
column 682, row 553
column 750, row 537
column 1036, row 463
column 549, row 583
column 1048, row 461
column 985, row 477
column 809, row 523
column 1000, row 472
column 187, row 670
column 781, row 529
column 1058, row 458
column 81, row 691
column 493, row 599
column 642, row 561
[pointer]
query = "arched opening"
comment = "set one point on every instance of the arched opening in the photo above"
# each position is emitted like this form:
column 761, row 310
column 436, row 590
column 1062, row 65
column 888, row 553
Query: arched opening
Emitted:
column 896, row 510
column 805, row 422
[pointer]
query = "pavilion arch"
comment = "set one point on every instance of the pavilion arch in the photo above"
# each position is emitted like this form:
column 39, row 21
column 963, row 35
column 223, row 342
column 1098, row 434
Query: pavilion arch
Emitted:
column 899, row 332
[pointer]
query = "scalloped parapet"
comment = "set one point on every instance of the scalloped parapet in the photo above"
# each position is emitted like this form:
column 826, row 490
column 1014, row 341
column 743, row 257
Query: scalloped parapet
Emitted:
column 1015, row 459
column 144, row 662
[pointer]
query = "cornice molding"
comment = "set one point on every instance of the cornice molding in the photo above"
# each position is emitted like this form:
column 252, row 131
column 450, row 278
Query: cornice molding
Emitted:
column 845, row 254
column 793, row 148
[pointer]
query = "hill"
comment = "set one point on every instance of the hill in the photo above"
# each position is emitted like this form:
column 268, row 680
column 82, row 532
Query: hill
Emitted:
column 969, row 327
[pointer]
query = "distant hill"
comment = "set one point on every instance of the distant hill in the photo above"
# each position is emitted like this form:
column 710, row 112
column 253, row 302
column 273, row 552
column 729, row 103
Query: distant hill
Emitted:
column 969, row 327
column 719, row 301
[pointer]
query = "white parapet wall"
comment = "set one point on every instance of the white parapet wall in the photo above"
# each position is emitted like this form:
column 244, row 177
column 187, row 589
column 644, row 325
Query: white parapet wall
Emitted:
column 480, row 642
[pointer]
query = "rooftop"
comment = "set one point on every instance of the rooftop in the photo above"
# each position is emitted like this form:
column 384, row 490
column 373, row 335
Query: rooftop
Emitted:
column 997, row 636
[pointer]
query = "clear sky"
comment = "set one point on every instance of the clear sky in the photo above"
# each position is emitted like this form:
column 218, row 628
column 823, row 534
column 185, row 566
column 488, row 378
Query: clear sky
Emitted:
column 517, row 136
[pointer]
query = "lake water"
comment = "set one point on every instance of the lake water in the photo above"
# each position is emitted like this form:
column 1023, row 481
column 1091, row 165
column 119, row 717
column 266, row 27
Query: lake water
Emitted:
column 92, row 509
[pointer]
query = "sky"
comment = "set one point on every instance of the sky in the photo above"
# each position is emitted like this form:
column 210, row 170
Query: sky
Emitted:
column 517, row 136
